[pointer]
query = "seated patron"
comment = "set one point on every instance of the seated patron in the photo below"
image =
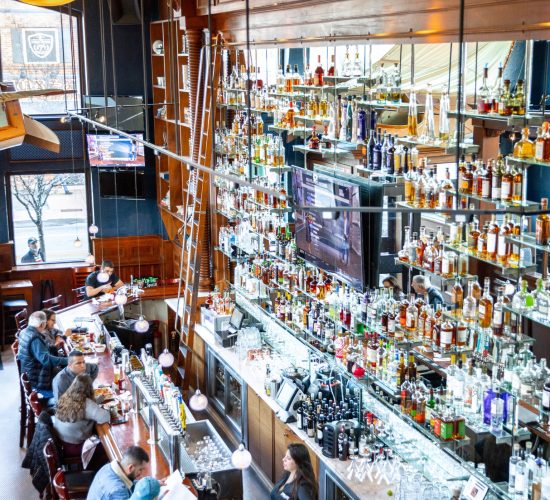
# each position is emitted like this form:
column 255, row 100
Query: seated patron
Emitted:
column 115, row 481
column 96, row 288
column 298, row 481
column 76, row 415
column 54, row 336
column 77, row 365
column 35, row 356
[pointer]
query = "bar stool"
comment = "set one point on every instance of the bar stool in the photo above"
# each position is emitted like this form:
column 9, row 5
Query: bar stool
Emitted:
column 22, row 399
column 21, row 319
column 65, row 490
column 9, row 308
column 77, row 483
column 79, row 294
column 34, row 406
column 55, row 303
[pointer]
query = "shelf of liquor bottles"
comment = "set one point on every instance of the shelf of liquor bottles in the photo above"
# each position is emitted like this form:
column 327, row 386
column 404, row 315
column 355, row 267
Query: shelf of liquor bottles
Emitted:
column 528, row 161
column 521, row 205
column 446, row 277
column 450, row 148
column 531, row 119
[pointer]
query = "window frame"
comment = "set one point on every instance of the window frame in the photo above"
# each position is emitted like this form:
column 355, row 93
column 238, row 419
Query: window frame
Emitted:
column 10, row 172
column 80, row 52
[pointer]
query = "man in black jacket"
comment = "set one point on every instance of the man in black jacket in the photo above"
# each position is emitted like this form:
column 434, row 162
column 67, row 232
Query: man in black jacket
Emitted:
column 35, row 254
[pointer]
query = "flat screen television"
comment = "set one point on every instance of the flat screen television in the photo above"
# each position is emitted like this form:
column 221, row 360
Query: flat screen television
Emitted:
column 330, row 240
column 113, row 150
column 122, row 183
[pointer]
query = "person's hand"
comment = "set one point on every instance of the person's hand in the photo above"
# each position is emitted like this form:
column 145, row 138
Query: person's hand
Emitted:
column 163, row 481
column 59, row 342
column 107, row 288
column 68, row 332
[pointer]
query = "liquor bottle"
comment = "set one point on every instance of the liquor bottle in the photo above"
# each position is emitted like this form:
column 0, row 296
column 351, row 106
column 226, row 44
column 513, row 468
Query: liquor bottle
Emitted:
column 482, row 242
column 446, row 336
column 406, row 395
column 466, row 181
column 514, row 459
column 320, row 426
column 540, row 143
column 542, row 226
column 289, row 79
column 505, row 103
column 370, row 150
column 429, row 121
column 469, row 309
column 377, row 153
column 519, row 99
column 332, row 69
column 483, row 96
column 497, row 90
column 517, row 187
column 444, row 108
column 311, row 428
column 524, row 149
column 486, row 181
column 457, row 296
column 412, row 120
column 308, row 76
column 343, row 444
column 492, row 239
column 496, row 184
column 356, row 70
column 486, row 305
column 473, row 236
column 318, row 76
column 499, row 314
column 296, row 77
column 521, row 480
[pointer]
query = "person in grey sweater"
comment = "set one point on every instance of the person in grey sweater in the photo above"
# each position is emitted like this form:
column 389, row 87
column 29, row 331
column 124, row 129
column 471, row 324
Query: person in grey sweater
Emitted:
column 77, row 413
column 65, row 377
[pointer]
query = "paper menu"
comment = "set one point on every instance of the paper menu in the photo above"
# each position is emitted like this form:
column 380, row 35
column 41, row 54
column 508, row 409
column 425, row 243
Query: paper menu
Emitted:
column 175, row 489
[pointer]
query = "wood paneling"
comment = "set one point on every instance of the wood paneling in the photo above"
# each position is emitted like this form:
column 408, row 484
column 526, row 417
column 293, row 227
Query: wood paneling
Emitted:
column 136, row 255
column 382, row 22
column 260, row 433
column 6, row 256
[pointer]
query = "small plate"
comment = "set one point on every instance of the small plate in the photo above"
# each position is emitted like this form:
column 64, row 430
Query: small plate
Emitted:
column 158, row 47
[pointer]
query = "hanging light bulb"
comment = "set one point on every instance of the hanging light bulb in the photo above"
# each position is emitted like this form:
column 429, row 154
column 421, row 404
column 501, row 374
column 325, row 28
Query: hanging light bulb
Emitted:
column 77, row 243
column 121, row 299
column 241, row 458
column 198, row 401
column 90, row 259
column 99, row 118
column 93, row 229
column 47, row 3
column 141, row 325
column 166, row 359
column 103, row 277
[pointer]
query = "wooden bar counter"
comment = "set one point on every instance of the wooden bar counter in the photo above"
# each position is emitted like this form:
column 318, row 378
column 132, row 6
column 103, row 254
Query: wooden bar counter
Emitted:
column 116, row 438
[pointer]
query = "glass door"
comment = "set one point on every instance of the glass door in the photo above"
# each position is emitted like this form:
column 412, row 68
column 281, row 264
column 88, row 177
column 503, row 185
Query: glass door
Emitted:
column 234, row 402
column 216, row 383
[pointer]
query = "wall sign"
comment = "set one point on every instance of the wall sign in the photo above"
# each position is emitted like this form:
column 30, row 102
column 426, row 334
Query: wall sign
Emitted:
column 40, row 45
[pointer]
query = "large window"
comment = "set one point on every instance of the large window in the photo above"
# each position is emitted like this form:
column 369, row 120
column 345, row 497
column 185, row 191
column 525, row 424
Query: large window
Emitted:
column 49, row 213
column 38, row 53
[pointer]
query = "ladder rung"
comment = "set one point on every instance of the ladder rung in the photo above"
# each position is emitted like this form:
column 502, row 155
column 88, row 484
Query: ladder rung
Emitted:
column 183, row 351
column 188, row 309
column 185, row 330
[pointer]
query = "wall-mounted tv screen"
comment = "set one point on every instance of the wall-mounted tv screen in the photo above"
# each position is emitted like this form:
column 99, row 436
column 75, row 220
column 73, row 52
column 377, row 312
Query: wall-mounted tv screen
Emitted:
column 112, row 150
column 331, row 240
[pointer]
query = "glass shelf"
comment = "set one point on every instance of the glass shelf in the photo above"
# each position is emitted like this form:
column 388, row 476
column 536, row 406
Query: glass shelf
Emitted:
column 531, row 119
column 528, row 162
column 322, row 151
column 532, row 314
column 309, row 119
column 528, row 206
column 271, row 168
column 448, row 148
column 303, row 131
column 505, row 270
column 430, row 273
column 528, row 240
column 238, row 106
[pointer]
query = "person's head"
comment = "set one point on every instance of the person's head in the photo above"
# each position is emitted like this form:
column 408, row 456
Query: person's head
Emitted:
column 421, row 284
column 76, row 362
column 134, row 461
column 108, row 267
column 50, row 318
column 390, row 281
column 297, row 462
column 38, row 320
column 33, row 244
column 71, row 406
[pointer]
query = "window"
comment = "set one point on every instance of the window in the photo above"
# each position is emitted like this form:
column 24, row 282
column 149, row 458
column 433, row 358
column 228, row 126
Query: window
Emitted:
column 49, row 211
column 37, row 53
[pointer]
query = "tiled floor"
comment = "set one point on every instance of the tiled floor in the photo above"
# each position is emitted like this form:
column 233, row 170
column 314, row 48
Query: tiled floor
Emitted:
column 15, row 482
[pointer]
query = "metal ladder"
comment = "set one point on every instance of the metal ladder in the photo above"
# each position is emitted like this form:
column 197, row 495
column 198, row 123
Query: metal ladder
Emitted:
column 195, row 219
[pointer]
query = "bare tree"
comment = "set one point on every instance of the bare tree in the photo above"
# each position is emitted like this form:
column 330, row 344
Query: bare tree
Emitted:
column 33, row 191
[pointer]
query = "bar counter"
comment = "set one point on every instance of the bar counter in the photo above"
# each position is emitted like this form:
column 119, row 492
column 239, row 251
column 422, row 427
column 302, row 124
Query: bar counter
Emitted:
column 116, row 438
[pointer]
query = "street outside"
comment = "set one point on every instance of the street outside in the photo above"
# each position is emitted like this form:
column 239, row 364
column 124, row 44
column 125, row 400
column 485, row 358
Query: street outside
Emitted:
column 65, row 218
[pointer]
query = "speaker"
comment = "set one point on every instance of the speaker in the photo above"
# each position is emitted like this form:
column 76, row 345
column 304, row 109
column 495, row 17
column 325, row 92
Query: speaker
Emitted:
column 127, row 12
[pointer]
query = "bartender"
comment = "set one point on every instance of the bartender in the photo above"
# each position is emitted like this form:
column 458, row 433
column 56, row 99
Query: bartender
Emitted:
column 298, row 482
column 96, row 288
column 422, row 286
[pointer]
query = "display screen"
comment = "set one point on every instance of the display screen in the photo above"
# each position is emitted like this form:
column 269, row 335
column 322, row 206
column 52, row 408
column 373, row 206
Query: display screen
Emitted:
column 285, row 394
column 112, row 150
column 330, row 240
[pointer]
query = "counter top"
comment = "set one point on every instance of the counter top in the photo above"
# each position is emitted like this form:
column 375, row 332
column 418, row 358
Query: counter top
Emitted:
column 253, row 375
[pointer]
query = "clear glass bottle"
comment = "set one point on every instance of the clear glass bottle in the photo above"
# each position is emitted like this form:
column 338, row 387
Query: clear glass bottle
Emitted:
column 412, row 120
column 483, row 94
column 444, row 108
column 486, row 305
column 469, row 309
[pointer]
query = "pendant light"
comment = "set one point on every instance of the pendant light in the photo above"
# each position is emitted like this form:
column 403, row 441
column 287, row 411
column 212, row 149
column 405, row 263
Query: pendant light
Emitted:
column 90, row 259
column 141, row 325
column 77, row 243
column 198, row 401
column 166, row 359
column 241, row 458
column 102, row 277
column 93, row 229
column 121, row 298
column 46, row 3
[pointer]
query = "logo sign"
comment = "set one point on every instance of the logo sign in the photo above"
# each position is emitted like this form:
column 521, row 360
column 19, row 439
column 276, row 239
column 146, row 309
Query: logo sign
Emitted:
column 41, row 45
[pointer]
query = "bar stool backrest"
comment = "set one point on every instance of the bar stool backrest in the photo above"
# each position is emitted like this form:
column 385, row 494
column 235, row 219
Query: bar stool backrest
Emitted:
column 60, row 486
column 79, row 294
column 35, row 403
column 21, row 319
column 52, row 459
column 80, row 274
column 55, row 303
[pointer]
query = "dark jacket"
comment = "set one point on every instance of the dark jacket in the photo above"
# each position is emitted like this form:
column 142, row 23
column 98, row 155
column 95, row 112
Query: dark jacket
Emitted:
column 36, row 359
column 34, row 458
column 434, row 296
column 29, row 257
column 305, row 491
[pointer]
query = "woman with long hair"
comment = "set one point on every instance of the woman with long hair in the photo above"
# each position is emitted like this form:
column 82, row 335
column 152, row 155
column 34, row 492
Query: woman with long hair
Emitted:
column 77, row 413
column 298, row 481
column 390, row 281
